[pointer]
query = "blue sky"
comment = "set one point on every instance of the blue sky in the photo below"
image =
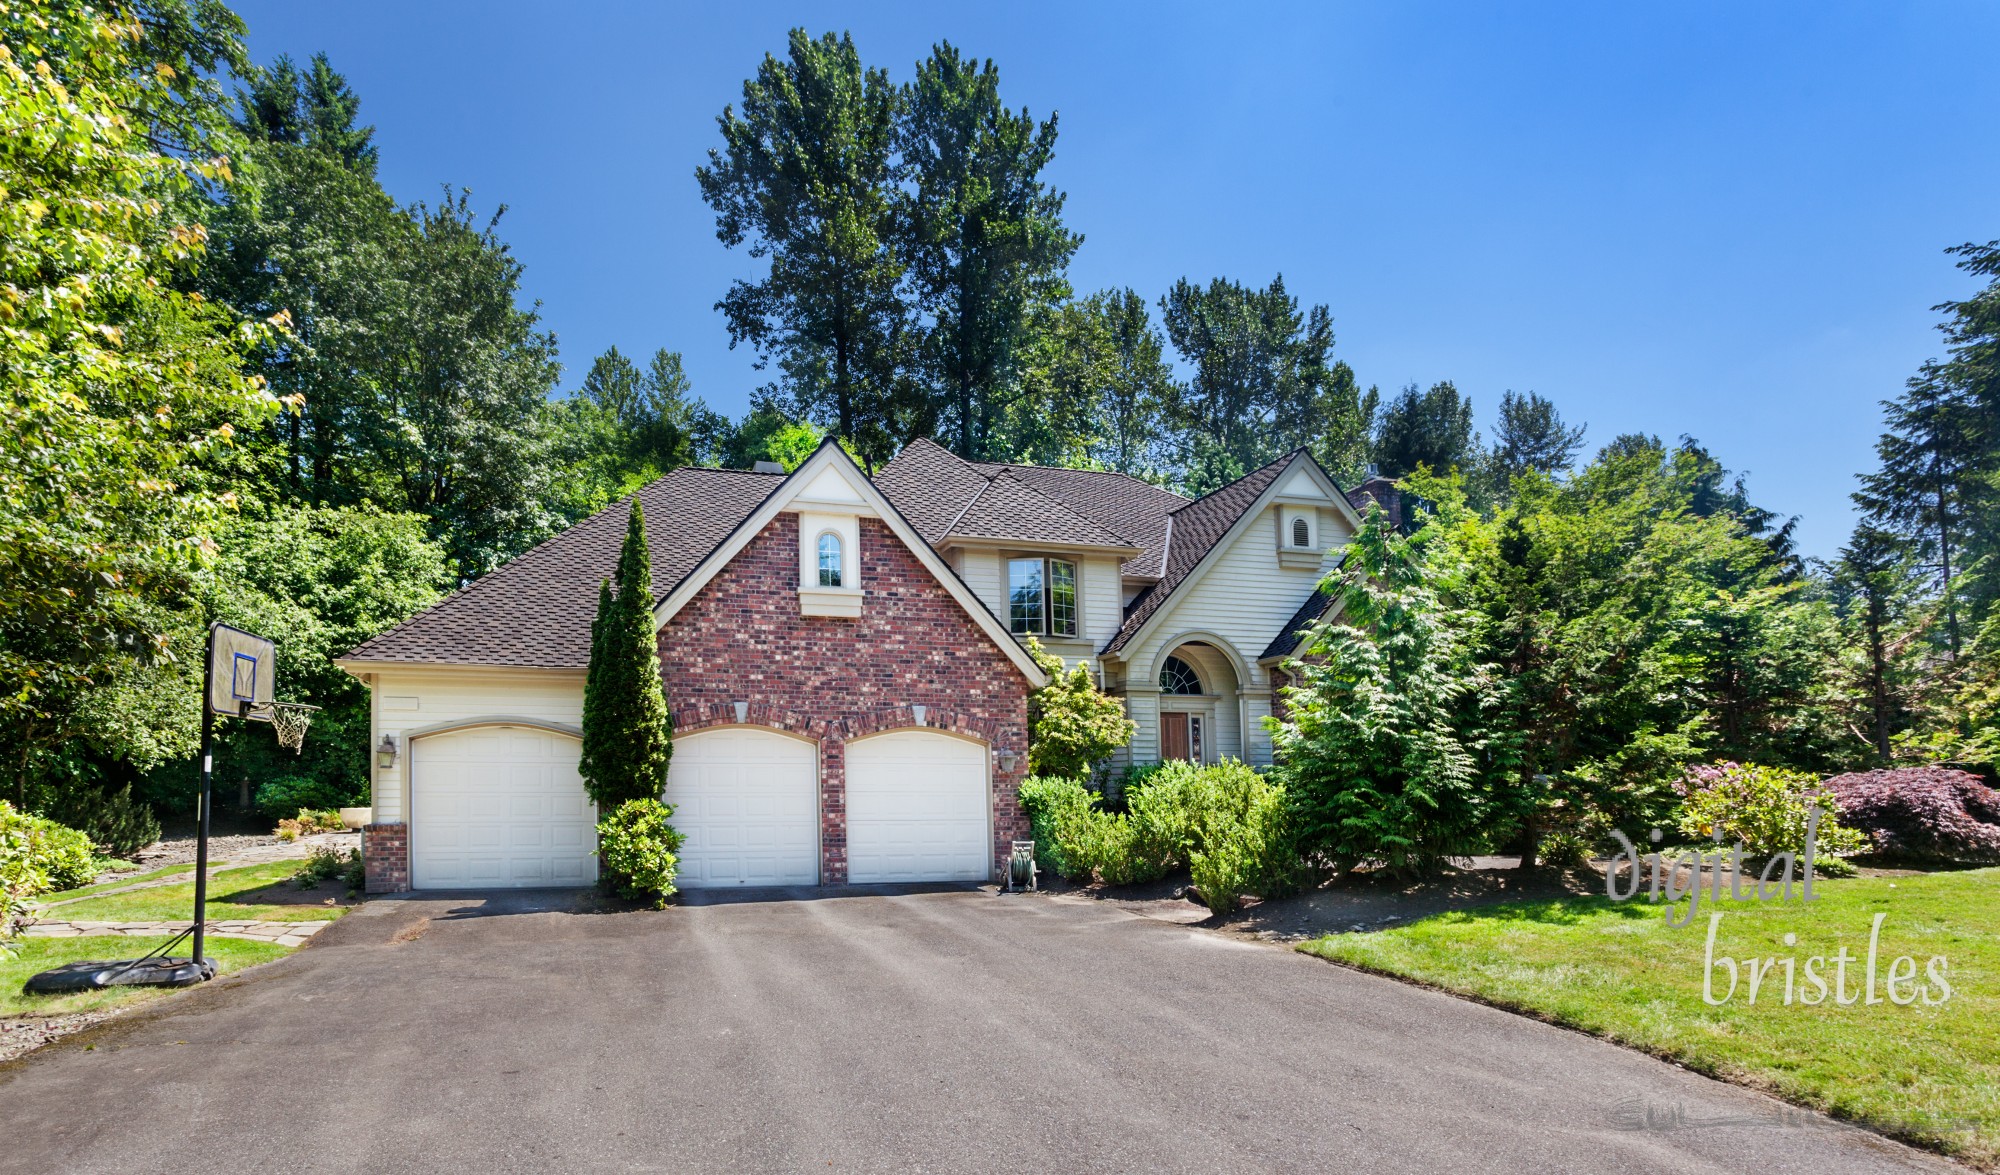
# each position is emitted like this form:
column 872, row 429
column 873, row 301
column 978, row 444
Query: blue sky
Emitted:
column 1723, row 220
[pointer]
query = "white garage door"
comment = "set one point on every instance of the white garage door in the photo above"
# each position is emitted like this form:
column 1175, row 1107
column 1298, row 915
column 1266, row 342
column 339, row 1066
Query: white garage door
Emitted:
column 917, row 808
column 747, row 802
column 499, row 806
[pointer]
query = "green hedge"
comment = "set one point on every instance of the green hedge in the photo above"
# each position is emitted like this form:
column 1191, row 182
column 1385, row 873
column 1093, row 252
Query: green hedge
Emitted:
column 40, row 856
column 1226, row 824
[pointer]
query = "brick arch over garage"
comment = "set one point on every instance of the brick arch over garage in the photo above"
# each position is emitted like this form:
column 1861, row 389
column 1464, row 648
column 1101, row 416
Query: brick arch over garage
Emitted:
column 742, row 640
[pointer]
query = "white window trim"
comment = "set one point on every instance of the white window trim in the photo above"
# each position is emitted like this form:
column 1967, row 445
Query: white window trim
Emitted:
column 1007, row 561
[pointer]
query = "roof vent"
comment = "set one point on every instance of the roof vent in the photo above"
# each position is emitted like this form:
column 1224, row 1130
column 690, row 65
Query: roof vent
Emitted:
column 767, row 467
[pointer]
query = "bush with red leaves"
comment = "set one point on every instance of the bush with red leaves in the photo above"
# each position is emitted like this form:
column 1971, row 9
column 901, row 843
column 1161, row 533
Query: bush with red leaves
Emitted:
column 1923, row 813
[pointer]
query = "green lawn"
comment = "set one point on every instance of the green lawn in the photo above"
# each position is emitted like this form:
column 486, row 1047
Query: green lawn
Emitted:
column 40, row 954
column 1928, row 1074
column 101, row 886
column 254, row 892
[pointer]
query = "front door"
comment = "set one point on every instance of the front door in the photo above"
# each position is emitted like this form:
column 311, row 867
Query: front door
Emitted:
column 1180, row 737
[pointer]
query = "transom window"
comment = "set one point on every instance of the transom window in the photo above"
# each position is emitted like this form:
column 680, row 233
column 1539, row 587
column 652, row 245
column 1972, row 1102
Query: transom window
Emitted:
column 1179, row 677
column 829, row 560
column 1041, row 597
column 1301, row 534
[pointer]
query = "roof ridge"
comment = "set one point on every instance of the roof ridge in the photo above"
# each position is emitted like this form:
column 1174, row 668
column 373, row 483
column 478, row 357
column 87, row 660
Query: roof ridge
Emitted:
column 969, row 504
column 1283, row 460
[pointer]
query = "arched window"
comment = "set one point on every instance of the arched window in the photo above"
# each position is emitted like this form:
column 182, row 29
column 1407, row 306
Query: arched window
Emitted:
column 829, row 560
column 1178, row 677
column 1301, row 533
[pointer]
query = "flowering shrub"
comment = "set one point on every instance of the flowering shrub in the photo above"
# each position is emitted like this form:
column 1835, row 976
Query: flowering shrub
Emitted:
column 1923, row 813
column 638, row 848
column 1764, row 807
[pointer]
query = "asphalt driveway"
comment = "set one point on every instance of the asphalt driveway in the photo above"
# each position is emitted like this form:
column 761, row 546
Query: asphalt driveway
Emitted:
column 926, row 1031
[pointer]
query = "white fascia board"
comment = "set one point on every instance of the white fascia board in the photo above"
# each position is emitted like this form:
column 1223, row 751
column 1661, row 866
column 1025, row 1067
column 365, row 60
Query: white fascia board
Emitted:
column 1236, row 529
column 985, row 543
column 830, row 456
column 358, row 667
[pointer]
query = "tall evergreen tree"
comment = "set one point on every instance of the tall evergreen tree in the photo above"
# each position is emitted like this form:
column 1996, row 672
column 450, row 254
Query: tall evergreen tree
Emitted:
column 1133, row 397
column 1264, row 380
column 627, row 729
column 311, row 107
column 1934, row 459
column 1531, row 434
column 1432, row 428
column 984, row 238
column 805, row 178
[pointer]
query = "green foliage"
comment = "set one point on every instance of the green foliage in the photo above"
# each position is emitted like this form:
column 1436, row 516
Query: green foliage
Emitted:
column 984, row 240
column 1264, row 383
column 40, row 856
column 1764, row 807
column 1227, row 823
column 287, row 794
column 1531, row 436
column 638, row 849
column 627, row 731
column 109, row 815
column 1054, row 806
column 1641, row 615
column 1379, row 749
column 326, row 864
column 119, row 385
column 805, row 178
column 1072, row 726
column 1428, row 429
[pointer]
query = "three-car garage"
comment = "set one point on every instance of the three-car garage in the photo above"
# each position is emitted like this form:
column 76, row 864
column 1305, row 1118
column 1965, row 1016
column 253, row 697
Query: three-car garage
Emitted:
column 503, row 806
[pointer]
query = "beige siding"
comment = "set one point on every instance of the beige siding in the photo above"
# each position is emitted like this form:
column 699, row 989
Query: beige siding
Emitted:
column 1242, row 599
column 417, row 699
column 981, row 571
column 1103, row 609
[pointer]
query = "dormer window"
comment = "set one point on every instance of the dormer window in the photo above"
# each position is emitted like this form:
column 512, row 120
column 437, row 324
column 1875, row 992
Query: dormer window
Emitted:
column 1301, row 533
column 830, row 560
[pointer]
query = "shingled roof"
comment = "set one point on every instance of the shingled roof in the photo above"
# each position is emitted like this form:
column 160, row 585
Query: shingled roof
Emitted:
column 1007, row 509
column 939, row 492
column 536, row 611
column 1193, row 530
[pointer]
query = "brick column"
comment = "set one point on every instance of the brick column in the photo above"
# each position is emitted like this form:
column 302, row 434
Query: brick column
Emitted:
column 385, row 857
column 833, row 811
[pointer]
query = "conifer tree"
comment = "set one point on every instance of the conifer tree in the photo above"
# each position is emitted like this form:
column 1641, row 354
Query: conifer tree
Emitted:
column 627, row 730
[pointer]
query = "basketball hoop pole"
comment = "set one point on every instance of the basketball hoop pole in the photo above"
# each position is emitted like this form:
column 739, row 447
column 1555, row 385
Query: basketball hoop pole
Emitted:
column 201, row 810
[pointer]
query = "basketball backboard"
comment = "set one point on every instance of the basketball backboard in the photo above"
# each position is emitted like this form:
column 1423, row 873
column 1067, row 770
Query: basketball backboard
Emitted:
column 242, row 671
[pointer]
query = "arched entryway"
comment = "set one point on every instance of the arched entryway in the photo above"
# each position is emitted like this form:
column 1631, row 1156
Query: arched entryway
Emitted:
column 1200, row 719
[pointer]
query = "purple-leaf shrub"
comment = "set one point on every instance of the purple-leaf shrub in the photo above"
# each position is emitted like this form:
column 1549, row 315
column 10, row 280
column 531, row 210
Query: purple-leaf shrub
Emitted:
column 1923, row 813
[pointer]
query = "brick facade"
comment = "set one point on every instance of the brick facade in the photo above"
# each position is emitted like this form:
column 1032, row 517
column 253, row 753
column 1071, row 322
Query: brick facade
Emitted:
column 743, row 639
column 385, row 857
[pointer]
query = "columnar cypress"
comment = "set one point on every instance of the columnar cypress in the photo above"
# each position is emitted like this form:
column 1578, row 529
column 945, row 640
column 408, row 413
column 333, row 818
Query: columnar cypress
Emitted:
column 627, row 731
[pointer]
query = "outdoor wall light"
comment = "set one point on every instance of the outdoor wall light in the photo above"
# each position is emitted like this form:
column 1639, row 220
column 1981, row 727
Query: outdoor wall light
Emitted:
column 1006, row 760
column 385, row 755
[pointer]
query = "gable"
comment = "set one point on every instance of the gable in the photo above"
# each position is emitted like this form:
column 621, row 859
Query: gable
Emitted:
column 837, row 483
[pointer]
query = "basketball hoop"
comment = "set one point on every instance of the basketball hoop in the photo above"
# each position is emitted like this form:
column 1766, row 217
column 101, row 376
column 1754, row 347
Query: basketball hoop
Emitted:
column 288, row 720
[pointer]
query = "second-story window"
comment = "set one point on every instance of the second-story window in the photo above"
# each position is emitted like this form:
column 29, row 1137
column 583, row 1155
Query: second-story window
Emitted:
column 829, row 560
column 1041, row 597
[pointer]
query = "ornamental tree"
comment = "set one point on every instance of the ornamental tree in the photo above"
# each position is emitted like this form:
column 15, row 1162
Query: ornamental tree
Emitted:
column 1071, row 724
column 627, row 731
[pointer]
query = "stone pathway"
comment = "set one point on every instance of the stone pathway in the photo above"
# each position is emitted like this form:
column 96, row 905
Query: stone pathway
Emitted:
column 285, row 934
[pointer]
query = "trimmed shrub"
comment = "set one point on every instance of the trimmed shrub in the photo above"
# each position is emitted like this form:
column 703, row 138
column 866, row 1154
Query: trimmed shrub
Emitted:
column 1055, row 807
column 1764, row 807
column 1932, row 814
column 110, row 817
column 39, row 856
column 638, row 849
column 1226, row 823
